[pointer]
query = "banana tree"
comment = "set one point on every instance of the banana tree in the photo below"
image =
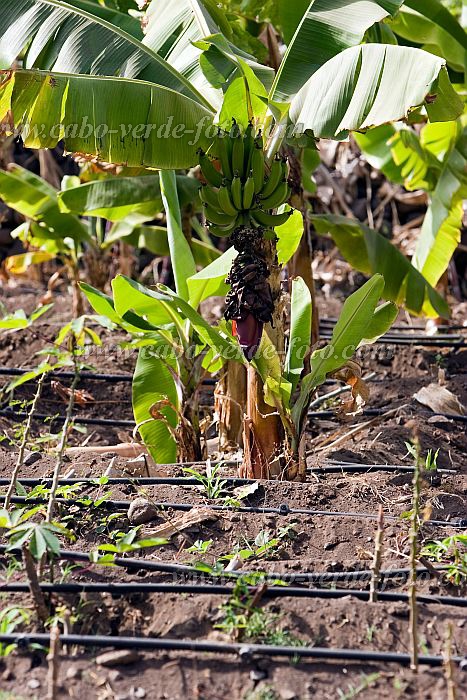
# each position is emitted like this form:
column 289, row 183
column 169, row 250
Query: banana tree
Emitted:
column 130, row 100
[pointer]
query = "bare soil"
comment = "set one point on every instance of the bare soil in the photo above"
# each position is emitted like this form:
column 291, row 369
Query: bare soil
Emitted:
column 314, row 543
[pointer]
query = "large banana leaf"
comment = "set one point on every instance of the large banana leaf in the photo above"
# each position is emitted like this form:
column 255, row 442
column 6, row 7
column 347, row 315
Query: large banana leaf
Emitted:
column 34, row 198
column 379, row 147
column 119, row 120
column 430, row 24
column 370, row 85
column 359, row 323
column 153, row 380
column 183, row 264
column 210, row 281
column 326, row 28
column 368, row 251
column 114, row 198
column 64, row 38
column 300, row 331
column 440, row 232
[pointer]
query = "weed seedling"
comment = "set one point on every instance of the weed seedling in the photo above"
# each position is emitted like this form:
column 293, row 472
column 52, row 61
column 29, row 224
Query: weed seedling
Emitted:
column 10, row 619
column 354, row 690
column 210, row 483
column 452, row 552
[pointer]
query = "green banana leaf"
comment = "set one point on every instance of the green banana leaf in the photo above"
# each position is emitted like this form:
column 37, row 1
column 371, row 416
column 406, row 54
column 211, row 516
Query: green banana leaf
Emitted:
column 325, row 29
column 33, row 197
column 183, row 264
column 288, row 237
column 61, row 37
column 121, row 121
column 300, row 331
column 210, row 281
column 360, row 322
column 434, row 27
column 441, row 228
column 130, row 295
column 104, row 306
column 114, row 198
column 369, row 252
column 369, row 85
column 153, row 380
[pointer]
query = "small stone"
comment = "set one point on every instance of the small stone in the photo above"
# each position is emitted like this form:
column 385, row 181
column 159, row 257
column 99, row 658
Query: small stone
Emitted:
column 257, row 674
column 31, row 458
column 118, row 657
column 34, row 684
column 73, row 672
column 330, row 545
column 114, row 675
column 141, row 511
column 461, row 623
column 138, row 692
column 287, row 694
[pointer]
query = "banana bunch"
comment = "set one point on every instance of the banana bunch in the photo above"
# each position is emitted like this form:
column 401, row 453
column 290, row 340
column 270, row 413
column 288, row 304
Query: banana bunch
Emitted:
column 245, row 192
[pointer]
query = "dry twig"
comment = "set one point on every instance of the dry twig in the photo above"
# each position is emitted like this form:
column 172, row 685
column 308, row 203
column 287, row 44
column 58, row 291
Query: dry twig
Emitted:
column 377, row 557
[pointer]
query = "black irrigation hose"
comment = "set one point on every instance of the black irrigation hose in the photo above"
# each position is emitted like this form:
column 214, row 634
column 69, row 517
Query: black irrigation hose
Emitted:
column 122, row 589
column 245, row 651
column 19, row 371
column 320, row 577
column 454, row 342
column 231, row 481
column 374, row 412
column 283, row 509
column 15, row 416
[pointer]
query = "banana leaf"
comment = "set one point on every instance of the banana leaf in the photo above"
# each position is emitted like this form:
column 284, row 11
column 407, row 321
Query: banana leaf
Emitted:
column 368, row 251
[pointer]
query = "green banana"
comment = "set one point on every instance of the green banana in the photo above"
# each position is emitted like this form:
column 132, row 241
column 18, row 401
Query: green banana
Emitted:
column 224, row 156
column 248, row 143
column 248, row 191
column 257, row 166
column 218, row 217
column 211, row 175
column 278, row 197
column 225, row 200
column 238, row 150
column 275, row 176
column 236, row 190
column 209, row 196
column 272, row 220
column 221, row 231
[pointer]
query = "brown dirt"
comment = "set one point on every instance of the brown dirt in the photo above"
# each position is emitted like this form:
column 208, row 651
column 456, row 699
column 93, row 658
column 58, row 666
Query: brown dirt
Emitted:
column 316, row 543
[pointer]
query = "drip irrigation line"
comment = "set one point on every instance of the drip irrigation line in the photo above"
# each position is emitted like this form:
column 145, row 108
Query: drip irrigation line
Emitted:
column 96, row 376
column 123, row 589
column 245, row 651
column 231, row 481
column 374, row 412
column 399, row 326
column 283, row 509
column 422, row 341
column 184, row 570
column 117, row 423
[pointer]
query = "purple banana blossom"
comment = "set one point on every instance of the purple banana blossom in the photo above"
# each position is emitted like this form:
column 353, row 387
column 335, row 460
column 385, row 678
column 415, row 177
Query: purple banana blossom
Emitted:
column 248, row 330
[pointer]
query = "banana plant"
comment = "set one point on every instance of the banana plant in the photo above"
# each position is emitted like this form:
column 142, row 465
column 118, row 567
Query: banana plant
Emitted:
column 123, row 99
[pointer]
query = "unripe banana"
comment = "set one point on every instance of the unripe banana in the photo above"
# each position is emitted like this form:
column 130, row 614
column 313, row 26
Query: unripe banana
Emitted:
column 225, row 201
column 278, row 197
column 222, row 231
column 248, row 145
column 209, row 196
column 211, row 175
column 248, row 191
column 275, row 177
column 270, row 220
column 236, row 190
column 218, row 217
column 224, row 155
column 257, row 166
column 238, row 151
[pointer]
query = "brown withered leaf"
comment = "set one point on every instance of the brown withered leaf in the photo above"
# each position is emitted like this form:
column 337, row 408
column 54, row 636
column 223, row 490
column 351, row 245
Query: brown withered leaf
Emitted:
column 439, row 399
column 82, row 397
column 351, row 374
